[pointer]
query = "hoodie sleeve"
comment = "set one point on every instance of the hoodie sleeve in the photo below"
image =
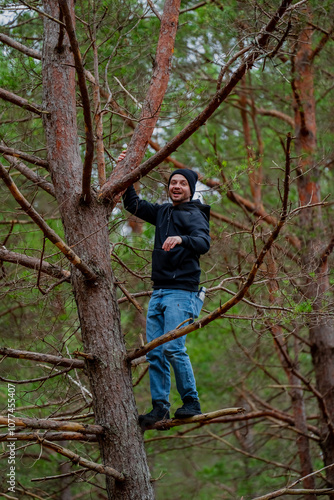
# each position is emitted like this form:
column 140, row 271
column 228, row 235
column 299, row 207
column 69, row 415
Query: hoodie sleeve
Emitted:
column 198, row 238
column 140, row 208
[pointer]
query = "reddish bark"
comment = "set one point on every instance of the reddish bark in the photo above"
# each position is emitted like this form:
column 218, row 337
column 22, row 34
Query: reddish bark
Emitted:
column 155, row 95
column 321, row 328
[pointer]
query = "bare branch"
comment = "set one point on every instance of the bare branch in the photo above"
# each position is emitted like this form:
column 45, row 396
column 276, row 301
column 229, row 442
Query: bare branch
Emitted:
column 76, row 459
column 57, row 425
column 48, row 232
column 288, row 489
column 34, row 160
column 204, row 417
column 54, row 436
column 31, row 175
column 21, row 102
column 34, row 263
column 45, row 358
column 19, row 46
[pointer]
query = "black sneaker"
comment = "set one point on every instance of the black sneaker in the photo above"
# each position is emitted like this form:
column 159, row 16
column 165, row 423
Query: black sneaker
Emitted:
column 159, row 412
column 190, row 408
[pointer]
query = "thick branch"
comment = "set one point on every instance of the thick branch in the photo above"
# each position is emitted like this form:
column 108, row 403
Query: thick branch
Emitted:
column 56, row 425
column 19, row 46
column 54, row 436
column 119, row 180
column 197, row 419
column 55, row 360
column 76, row 459
column 21, row 102
column 154, row 98
column 48, row 232
column 34, row 263
column 89, row 154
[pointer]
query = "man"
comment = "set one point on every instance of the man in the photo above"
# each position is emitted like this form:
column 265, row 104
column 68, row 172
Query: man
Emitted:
column 181, row 236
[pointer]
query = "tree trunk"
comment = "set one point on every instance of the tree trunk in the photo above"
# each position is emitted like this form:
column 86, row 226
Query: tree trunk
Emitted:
column 321, row 328
column 86, row 229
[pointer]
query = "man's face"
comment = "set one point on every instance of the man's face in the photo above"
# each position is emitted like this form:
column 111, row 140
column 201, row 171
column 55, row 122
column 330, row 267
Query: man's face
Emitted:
column 179, row 189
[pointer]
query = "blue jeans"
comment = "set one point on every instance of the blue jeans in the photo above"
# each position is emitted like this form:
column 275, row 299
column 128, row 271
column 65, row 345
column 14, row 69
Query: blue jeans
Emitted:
column 167, row 309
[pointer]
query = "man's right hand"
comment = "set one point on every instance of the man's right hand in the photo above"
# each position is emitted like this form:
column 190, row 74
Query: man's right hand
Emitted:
column 121, row 156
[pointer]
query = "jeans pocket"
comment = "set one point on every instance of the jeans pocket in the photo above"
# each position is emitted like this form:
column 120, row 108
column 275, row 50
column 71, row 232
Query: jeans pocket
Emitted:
column 199, row 300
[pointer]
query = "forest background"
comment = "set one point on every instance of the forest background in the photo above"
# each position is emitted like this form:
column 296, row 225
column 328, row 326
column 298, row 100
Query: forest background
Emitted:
column 241, row 92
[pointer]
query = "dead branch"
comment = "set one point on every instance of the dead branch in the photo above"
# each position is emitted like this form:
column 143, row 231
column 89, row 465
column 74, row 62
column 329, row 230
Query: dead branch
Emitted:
column 322, row 43
column 19, row 46
column 45, row 358
column 124, row 177
column 32, row 380
column 31, row 175
column 34, row 263
column 56, row 425
column 55, row 360
column 243, row 290
column 54, row 436
column 48, row 232
column 197, row 419
column 34, row 160
column 21, row 102
column 288, row 489
column 88, row 163
column 130, row 298
column 76, row 459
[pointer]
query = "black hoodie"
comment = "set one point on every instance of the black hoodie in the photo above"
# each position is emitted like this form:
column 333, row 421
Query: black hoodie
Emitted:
column 178, row 268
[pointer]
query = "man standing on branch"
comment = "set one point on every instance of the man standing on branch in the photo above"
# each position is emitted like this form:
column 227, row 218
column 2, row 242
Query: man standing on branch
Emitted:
column 181, row 236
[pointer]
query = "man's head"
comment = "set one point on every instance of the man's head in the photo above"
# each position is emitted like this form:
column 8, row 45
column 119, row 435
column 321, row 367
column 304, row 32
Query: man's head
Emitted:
column 181, row 185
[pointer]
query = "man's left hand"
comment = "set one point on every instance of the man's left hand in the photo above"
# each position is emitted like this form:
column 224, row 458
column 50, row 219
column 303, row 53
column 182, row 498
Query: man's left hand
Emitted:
column 171, row 242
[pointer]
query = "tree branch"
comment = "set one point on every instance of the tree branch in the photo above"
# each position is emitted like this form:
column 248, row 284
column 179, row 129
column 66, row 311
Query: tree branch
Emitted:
column 204, row 417
column 19, row 46
column 45, row 358
column 31, row 175
column 34, row 263
column 76, row 459
column 56, row 425
column 48, row 232
column 21, row 102
column 89, row 154
column 54, row 436
column 24, row 156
